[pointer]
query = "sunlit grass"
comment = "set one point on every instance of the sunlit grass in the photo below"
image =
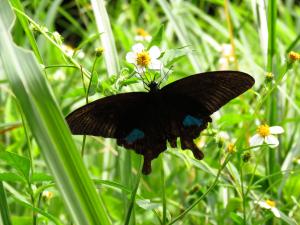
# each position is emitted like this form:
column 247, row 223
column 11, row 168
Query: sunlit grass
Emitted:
column 236, row 183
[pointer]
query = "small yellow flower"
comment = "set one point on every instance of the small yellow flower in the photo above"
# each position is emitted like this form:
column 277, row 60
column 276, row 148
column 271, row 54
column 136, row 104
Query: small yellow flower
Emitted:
column 269, row 76
column 271, row 205
column 99, row 51
column 231, row 148
column 142, row 35
column 294, row 56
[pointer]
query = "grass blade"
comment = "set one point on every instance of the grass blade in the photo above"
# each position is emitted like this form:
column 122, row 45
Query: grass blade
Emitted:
column 107, row 37
column 180, row 31
column 49, row 128
column 4, row 212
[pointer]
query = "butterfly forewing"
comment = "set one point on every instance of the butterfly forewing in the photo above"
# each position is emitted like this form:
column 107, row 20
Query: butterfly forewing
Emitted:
column 211, row 90
column 104, row 117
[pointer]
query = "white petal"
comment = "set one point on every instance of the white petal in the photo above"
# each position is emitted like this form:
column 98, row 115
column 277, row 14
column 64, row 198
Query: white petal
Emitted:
column 155, row 64
column 256, row 140
column 131, row 57
column 140, row 69
column 154, row 52
column 138, row 38
column 148, row 38
column 264, row 205
column 276, row 212
column 272, row 141
column 138, row 48
column 276, row 130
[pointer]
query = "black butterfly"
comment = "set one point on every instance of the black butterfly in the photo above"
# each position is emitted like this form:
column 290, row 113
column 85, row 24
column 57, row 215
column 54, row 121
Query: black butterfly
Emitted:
column 145, row 121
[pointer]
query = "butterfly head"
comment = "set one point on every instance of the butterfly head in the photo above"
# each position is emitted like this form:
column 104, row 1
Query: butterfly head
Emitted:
column 153, row 86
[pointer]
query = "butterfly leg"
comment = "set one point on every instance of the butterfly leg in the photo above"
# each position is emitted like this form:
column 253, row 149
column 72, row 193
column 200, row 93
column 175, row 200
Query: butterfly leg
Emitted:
column 187, row 143
column 147, row 164
column 173, row 141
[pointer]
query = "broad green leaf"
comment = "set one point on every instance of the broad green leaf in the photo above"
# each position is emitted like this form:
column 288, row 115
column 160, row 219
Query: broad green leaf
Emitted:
column 158, row 37
column 20, row 163
column 11, row 177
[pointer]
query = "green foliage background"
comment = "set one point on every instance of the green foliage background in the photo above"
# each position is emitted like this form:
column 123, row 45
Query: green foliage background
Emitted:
column 43, row 179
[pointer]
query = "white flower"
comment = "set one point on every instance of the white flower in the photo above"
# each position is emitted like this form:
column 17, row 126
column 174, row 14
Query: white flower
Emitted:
column 271, row 205
column 265, row 134
column 227, row 56
column 68, row 50
column 226, row 50
column 59, row 75
column 47, row 195
column 143, row 59
column 142, row 35
column 80, row 54
column 224, row 136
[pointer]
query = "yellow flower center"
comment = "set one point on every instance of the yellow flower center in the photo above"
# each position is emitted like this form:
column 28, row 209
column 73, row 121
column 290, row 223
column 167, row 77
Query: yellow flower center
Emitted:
column 142, row 32
column 231, row 148
column 143, row 59
column 294, row 56
column 271, row 203
column 269, row 75
column 263, row 130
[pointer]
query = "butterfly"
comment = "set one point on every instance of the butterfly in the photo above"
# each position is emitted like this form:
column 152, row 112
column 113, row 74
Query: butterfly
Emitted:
column 145, row 121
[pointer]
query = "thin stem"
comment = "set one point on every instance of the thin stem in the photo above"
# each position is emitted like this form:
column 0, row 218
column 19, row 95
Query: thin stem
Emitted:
column 90, row 82
column 205, row 194
column 55, row 66
column 87, row 98
column 243, row 195
column 133, row 194
column 163, row 186
column 34, row 214
column 230, row 30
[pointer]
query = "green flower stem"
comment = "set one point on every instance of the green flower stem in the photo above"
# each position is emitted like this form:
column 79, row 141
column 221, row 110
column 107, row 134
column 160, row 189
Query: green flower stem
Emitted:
column 133, row 194
column 47, row 36
column 243, row 195
column 205, row 194
column 87, row 91
column 163, row 186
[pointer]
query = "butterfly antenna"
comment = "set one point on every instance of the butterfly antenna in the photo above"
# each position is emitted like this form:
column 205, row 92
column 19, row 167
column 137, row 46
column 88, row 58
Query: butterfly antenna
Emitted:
column 165, row 75
column 142, row 77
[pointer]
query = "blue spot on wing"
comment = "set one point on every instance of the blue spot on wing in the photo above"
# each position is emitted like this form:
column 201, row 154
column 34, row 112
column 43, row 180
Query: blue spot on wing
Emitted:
column 192, row 121
column 134, row 135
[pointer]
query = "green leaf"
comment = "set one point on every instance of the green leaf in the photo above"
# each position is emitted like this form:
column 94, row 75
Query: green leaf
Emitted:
column 157, row 38
column 41, row 177
column 20, row 163
column 236, row 218
column 174, row 55
column 147, row 204
column 11, row 177
column 94, row 83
